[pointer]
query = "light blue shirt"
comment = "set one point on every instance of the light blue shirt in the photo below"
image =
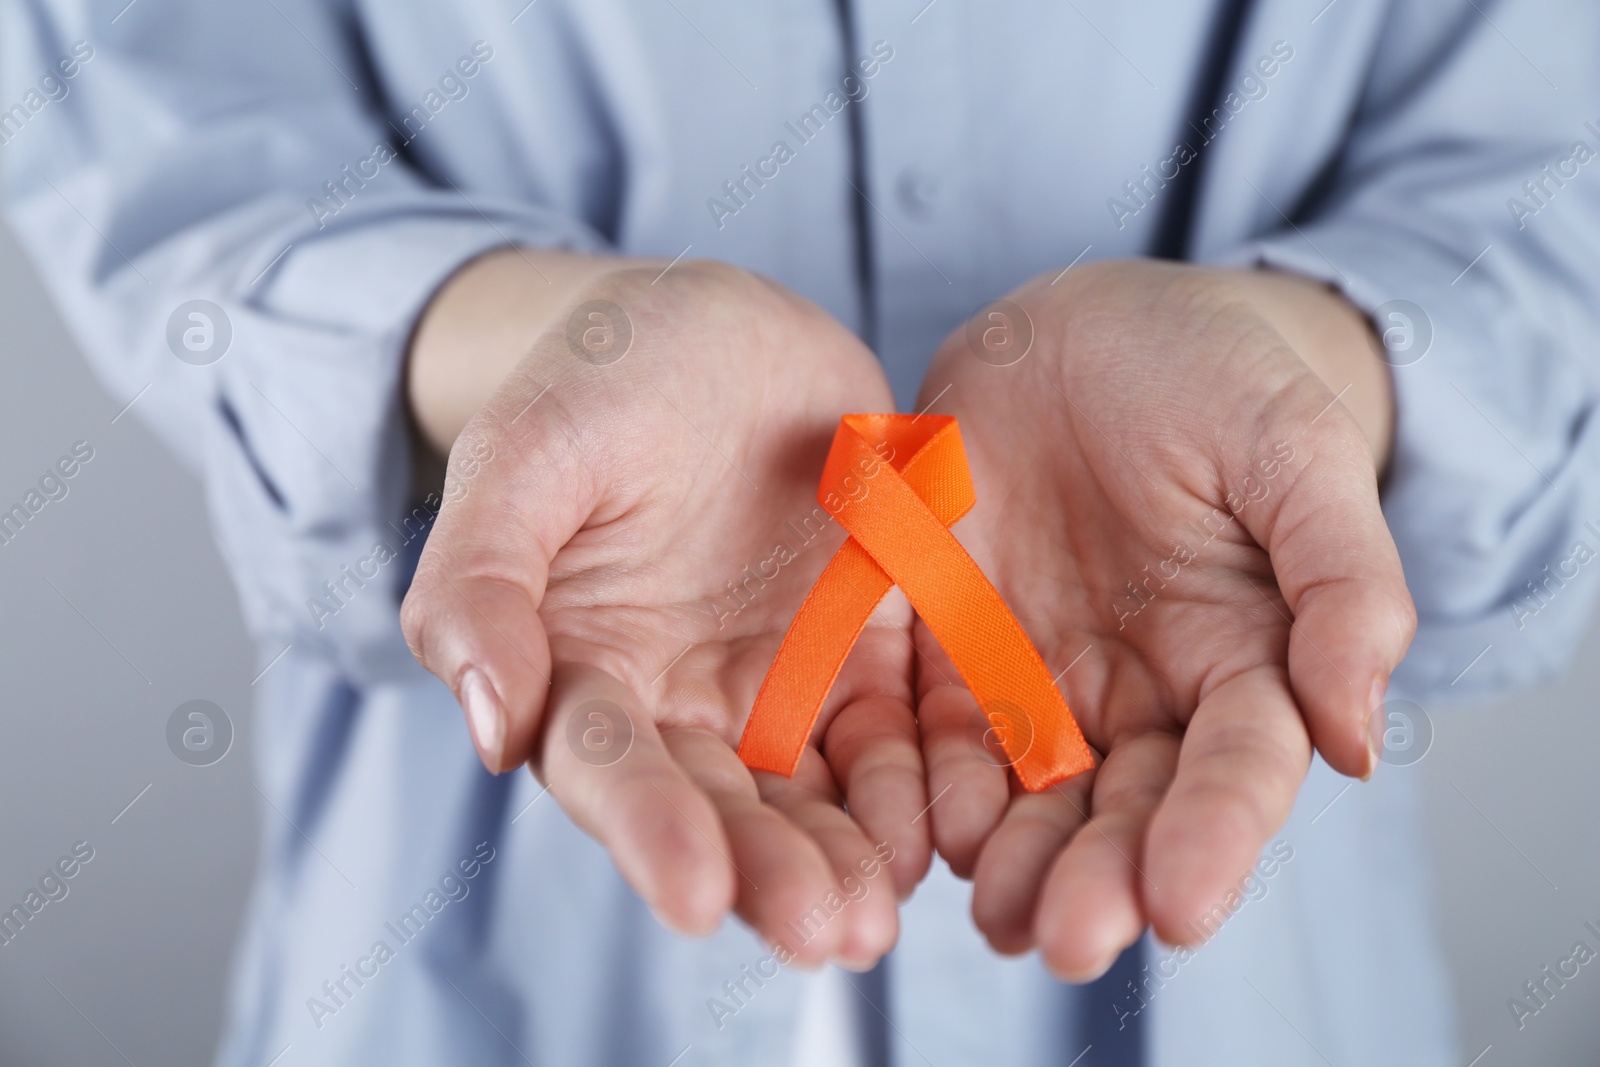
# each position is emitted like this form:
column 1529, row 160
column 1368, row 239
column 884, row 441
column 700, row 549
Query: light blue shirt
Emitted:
column 317, row 169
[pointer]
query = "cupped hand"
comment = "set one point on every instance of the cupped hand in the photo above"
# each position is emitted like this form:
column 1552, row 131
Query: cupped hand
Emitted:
column 629, row 525
column 1187, row 524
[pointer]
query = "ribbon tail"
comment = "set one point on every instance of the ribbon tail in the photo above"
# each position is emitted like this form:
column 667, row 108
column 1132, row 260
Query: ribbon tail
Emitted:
column 812, row 655
column 1006, row 675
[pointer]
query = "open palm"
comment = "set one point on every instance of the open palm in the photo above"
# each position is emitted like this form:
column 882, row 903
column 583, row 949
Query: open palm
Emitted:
column 1187, row 525
column 630, row 524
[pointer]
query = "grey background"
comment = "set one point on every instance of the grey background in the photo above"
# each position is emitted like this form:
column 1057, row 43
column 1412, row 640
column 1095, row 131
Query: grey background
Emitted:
column 130, row 967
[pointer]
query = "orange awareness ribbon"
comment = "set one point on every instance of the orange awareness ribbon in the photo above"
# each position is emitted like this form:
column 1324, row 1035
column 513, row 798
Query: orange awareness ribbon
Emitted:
column 896, row 483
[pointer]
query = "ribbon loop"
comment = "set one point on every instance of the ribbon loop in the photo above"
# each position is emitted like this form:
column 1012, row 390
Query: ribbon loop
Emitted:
column 896, row 483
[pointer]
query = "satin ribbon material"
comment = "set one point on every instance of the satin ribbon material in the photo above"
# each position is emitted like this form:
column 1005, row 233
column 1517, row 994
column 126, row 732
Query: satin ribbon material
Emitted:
column 896, row 483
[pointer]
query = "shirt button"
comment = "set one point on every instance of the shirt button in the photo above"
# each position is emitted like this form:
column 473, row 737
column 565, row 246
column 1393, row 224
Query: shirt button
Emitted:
column 918, row 191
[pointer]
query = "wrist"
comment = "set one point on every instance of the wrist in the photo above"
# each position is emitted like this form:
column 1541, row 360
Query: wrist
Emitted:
column 481, row 323
column 476, row 328
column 1337, row 342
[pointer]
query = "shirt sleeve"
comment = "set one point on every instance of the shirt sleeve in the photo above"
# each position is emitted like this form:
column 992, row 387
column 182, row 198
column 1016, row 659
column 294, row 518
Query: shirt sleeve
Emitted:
column 242, row 243
column 1462, row 214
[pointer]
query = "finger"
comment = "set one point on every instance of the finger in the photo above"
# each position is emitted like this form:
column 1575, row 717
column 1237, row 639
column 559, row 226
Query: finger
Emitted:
column 1339, row 572
column 1091, row 906
column 874, row 751
column 514, row 494
column 610, row 769
column 969, row 779
column 969, row 785
column 867, row 922
column 1244, row 756
column 783, row 875
column 1016, row 858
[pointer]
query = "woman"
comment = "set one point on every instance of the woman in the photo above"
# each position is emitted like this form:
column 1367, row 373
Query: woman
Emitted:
column 1252, row 256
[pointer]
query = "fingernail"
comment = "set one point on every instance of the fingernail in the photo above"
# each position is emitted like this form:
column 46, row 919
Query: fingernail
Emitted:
column 1377, row 722
column 485, row 717
column 1083, row 977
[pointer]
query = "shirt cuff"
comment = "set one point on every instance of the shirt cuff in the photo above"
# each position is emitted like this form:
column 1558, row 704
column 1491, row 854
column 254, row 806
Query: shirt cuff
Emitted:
column 310, row 474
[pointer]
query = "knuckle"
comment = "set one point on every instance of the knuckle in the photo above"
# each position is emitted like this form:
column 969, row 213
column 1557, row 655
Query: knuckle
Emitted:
column 1405, row 614
column 414, row 615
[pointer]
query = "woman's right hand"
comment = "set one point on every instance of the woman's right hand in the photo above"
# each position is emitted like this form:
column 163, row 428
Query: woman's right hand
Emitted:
column 610, row 577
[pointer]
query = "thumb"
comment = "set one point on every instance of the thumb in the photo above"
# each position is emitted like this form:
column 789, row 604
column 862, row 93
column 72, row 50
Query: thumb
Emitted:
column 514, row 494
column 1339, row 572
